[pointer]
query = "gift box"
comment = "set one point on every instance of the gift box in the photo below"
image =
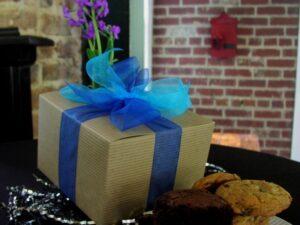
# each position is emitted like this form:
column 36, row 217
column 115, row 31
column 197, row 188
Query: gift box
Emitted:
column 113, row 172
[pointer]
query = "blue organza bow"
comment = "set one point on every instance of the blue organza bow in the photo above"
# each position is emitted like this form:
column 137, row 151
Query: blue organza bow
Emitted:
column 127, row 93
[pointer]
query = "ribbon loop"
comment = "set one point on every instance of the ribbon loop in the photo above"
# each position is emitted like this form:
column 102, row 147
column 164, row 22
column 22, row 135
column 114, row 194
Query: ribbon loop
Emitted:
column 142, row 100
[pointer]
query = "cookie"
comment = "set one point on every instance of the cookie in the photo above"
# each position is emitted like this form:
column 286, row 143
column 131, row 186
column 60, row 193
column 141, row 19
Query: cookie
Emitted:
column 255, row 197
column 213, row 181
column 250, row 220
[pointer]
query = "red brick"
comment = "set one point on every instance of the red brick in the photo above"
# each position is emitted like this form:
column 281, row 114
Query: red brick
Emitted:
column 270, row 10
column 241, row 41
column 220, row 62
column 255, row 41
column 175, row 51
column 238, row 72
column 180, row 71
column 180, row 41
column 290, row 52
column 269, row 31
column 159, row 11
column 254, row 21
column 244, row 31
column 243, row 103
column 279, row 124
column 277, row 104
column 237, row 113
column 195, row 2
column 163, row 41
column 267, row 114
column 161, row 60
column 285, row 154
column 250, row 123
column 281, row 62
column 286, row 134
column 270, row 41
column 158, row 70
column 192, row 61
column 263, row 103
column 254, row 2
column 222, row 102
column 209, row 112
column 200, row 51
column 281, row 83
column 252, row 83
column 210, row 92
column 195, row 41
column 289, row 94
column 285, row 42
column 267, row 73
column 222, row 82
column 166, row 21
column 194, row 20
column 289, row 104
column 202, row 31
column 240, row 11
column 289, row 115
column 284, row 21
column 289, row 74
column 292, row 31
column 268, row 94
column 239, row 92
column 274, row 134
column 207, row 101
column 286, row 2
column 166, row 2
column 159, row 31
column 157, row 51
column 224, row 122
column 237, row 131
column 243, row 51
column 281, row 143
column 196, row 81
column 250, row 62
column 210, row 10
column 181, row 11
column 212, row 72
column 266, row 52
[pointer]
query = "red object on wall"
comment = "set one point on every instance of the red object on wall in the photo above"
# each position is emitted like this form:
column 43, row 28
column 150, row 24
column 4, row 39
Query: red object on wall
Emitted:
column 223, row 36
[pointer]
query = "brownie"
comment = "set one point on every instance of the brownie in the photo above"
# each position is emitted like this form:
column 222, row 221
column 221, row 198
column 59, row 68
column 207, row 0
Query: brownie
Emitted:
column 191, row 207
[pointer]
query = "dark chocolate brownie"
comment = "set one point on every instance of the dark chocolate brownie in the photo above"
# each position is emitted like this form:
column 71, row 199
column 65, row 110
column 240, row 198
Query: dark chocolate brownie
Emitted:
column 191, row 207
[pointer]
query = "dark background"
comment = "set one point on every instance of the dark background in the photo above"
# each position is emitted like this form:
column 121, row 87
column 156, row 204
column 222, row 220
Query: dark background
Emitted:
column 118, row 15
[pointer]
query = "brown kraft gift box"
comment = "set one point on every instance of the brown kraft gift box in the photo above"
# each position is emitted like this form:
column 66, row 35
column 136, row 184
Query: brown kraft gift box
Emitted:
column 113, row 167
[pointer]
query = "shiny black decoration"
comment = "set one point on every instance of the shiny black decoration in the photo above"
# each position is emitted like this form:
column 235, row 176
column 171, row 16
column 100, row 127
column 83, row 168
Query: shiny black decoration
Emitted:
column 48, row 206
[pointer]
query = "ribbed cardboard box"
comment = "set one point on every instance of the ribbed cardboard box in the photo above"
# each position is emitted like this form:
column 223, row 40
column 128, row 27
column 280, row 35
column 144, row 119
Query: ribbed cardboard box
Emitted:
column 113, row 167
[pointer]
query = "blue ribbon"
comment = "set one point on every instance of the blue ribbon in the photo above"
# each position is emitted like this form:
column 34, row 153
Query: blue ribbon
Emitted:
column 130, row 98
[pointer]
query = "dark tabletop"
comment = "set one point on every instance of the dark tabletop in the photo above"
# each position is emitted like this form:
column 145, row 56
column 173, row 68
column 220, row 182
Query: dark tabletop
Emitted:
column 18, row 163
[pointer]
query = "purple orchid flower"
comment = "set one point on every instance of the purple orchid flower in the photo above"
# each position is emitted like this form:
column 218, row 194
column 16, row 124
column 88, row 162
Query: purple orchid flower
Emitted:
column 89, row 32
column 102, row 25
column 115, row 30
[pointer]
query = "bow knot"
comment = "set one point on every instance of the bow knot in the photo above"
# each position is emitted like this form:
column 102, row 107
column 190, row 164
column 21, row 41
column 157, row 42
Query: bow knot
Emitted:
column 128, row 94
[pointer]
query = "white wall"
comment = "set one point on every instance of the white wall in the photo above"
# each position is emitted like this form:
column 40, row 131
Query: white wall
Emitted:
column 296, row 123
column 140, row 25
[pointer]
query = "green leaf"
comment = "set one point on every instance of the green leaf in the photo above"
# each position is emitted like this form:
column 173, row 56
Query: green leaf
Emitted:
column 90, row 53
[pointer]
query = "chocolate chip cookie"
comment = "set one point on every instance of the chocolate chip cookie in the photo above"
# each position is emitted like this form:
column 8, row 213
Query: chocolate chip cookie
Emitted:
column 213, row 181
column 255, row 197
column 250, row 220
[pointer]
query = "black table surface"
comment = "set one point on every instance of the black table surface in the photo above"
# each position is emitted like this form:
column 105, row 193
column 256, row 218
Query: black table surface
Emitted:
column 18, row 163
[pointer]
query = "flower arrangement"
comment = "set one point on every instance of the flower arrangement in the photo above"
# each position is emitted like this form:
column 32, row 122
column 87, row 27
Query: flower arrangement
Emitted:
column 89, row 16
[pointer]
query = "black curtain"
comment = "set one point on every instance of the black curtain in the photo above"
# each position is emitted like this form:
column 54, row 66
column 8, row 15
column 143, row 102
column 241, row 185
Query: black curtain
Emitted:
column 119, row 15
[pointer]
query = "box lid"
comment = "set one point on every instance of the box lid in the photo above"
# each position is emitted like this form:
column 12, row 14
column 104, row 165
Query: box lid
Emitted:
column 102, row 126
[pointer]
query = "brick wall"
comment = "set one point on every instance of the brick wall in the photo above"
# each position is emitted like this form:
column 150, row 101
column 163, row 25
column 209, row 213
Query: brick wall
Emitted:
column 54, row 64
column 252, row 93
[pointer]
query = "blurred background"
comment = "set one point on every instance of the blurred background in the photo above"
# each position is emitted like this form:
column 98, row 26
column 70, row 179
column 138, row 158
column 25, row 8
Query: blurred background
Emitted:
column 251, row 96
